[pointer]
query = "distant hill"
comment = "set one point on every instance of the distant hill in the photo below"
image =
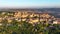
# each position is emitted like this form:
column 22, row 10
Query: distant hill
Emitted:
column 51, row 10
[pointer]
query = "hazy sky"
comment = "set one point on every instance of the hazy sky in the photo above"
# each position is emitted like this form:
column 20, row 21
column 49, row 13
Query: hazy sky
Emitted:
column 29, row 3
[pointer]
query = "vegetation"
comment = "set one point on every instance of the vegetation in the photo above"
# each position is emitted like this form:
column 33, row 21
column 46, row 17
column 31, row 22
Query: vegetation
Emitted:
column 27, row 28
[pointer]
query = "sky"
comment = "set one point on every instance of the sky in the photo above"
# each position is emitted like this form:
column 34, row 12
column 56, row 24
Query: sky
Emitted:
column 29, row 3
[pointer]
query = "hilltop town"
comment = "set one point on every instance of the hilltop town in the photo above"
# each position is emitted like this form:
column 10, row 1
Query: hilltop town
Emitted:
column 28, row 16
column 27, row 22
